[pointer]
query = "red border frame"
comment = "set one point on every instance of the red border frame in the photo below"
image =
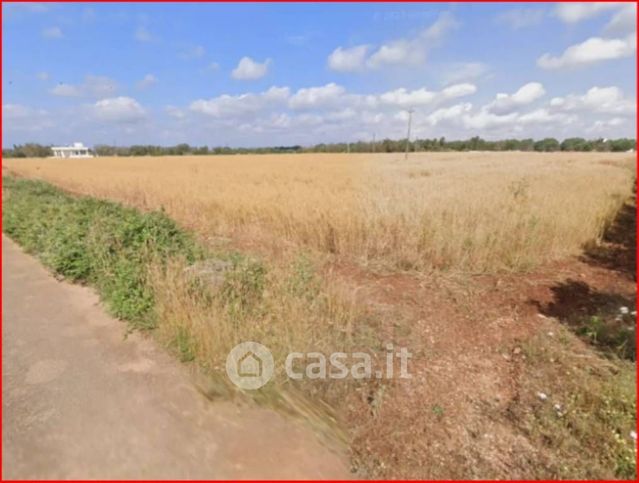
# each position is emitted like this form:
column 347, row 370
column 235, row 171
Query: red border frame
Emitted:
column 308, row 1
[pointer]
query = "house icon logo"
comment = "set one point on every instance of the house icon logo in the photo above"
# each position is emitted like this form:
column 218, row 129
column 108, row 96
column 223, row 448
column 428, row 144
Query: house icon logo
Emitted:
column 249, row 365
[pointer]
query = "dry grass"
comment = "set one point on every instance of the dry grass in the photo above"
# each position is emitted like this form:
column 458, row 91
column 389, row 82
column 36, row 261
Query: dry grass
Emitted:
column 461, row 212
column 464, row 211
column 287, row 308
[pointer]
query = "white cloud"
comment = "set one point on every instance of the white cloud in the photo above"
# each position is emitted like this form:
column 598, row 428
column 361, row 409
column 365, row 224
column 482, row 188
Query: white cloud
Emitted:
column 348, row 59
column 175, row 112
column 119, row 110
column 66, row 90
column 458, row 90
column 248, row 69
column 403, row 98
column 444, row 24
column 483, row 120
column 93, row 86
column 463, row 71
column 143, row 35
column 331, row 112
column 24, row 118
column 604, row 100
column 449, row 113
column 624, row 21
column 574, row 12
column 148, row 81
column 408, row 51
column 328, row 110
column 43, row 76
column 312, row 97
column 237, row 106
column 52, row 33
column 99, row 86
column 526, row 94
column 521, row 18
column 412, row 51
column 342, row 114
column 332, row 95
column 562, row 116
column 282, row 121
column 543, row 115
column 593, row 50
column 397, row 52
column 12, row 112
column 606, row 125
column 510, row 119
column 422, row 97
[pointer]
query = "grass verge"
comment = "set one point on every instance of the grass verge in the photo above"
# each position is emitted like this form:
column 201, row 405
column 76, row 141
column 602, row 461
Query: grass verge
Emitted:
column 583, row 416
column 96, row 242
column 200, row 303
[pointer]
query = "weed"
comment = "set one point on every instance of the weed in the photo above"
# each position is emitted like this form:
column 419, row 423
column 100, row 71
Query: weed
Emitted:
column 96, row 242
column 243, row 286
column 585, row 424
column 438, row 411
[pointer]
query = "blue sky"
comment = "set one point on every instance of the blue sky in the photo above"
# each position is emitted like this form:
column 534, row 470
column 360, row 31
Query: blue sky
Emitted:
column 255, row 74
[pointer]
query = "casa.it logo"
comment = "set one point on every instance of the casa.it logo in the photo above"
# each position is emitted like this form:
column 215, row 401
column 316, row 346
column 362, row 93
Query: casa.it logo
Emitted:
column 249, row 365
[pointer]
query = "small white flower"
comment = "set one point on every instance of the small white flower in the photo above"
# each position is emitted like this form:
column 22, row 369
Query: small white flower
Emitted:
column 542, row 396
column 633, row 435
column 550, row 334
column 634, row 312
column 624, row 310
column 557, row 407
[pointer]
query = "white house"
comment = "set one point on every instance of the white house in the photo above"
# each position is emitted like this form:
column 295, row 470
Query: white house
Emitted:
column 78, row 150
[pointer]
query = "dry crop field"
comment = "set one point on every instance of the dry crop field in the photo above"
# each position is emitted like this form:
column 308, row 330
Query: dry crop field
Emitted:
column 474, row 212
column 474, row 261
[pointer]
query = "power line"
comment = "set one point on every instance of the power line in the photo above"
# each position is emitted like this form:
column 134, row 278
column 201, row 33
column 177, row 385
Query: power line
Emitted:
column 410, row 118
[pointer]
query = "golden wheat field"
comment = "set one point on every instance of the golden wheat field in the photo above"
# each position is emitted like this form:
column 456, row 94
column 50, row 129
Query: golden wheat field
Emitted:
column 449, row 214
column 476, row 212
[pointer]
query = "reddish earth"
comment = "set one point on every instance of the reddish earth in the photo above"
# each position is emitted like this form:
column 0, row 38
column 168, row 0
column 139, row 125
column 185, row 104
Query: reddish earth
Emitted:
column 466, row 333
column 454, row 417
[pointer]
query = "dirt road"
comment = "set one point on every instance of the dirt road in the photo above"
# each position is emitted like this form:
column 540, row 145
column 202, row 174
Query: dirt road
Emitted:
column 81, row 401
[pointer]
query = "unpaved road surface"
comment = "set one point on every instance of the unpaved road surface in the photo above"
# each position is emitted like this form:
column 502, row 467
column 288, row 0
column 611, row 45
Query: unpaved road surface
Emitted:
column 81, row 401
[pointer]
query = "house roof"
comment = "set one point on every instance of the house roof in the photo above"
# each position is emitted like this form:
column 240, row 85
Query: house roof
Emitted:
column 70, row 148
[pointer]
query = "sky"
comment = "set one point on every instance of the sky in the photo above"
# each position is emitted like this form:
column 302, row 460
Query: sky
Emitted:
column 283, row 74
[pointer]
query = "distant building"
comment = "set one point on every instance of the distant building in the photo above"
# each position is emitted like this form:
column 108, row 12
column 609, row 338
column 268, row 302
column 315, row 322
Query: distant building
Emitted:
column 78, row 150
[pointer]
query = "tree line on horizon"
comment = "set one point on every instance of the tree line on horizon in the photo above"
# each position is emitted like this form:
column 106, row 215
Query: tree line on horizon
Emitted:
column 35, row 150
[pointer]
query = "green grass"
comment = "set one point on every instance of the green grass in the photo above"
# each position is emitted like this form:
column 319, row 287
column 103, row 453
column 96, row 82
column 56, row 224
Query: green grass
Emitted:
column 615, row 336
column 584, row 425
column 96, row 242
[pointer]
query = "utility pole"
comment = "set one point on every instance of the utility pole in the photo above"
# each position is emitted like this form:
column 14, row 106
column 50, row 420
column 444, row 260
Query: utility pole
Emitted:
column 410, row 118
